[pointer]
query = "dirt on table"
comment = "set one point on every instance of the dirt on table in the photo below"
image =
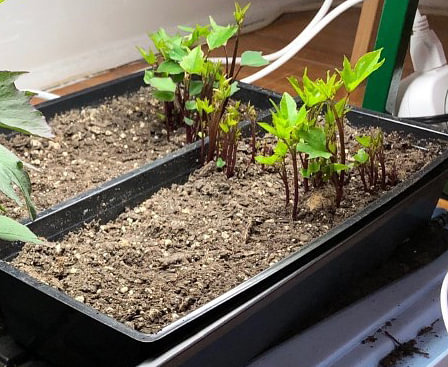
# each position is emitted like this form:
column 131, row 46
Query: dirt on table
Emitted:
column 92, row 145
column 190, row 243
column 401, row 351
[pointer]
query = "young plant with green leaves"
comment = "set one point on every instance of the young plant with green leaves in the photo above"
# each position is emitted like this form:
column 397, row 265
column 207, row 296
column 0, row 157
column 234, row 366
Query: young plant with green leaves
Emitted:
column 182, row 71
column 288, row 123
column 221, row 124
column 321, row 96
column 313, row 137
column 370, row 160
column 230, row 135
column 17, row 114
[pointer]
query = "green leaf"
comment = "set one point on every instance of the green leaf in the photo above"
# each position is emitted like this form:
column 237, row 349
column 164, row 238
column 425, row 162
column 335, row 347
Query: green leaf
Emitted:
column 234, row 88
column 10, row 230
column 170, row 47
column 305, row 173
column 195, row 34
column 338, row 167
column 170, row 67
column 219, row 35
column 365, row 140
column 177, row 53
column 163, row 96
column 365, row 66
column 188, row 121
column 313, row 167
column 16, row 113
column 296, row 86
column 164, row 84
column 224, row 127
column 341, row 107
column 314, row 143
column 204, row 106
column 361, row 157
column 193, row 62
column 195, row 87
column 312, row 152
column 186, row 28
column 12, row 174
column 253, row 59
column 220, row 162
column 190, row 105
column 240, row 13
column 288, row 108
column 281, row 149
column 268, row 127
column 269, row 161
column 283, row 131
column 149, row 56
column 311, row 93
column 149, row 74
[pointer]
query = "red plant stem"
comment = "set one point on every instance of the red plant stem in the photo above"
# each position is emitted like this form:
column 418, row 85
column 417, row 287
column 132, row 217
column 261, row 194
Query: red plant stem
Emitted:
column 201, row 127
column 237, row 72
column 212, row 135
column 253, row 140
column 229, row 154
column 375, row 174
column 234, row 150
column 372, row 179
column 339, row 192
column 225, row 147
column 227, row 60
column 363, row 177
column 383, row 168
column 284, row 177
column 393, row 175
column 167, row 106
column 305, row 180
column 340, row 125
column 232, row 155
column 235, row 52
column 295, row 182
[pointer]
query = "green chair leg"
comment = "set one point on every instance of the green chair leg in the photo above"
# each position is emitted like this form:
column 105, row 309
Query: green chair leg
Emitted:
column 394, row 32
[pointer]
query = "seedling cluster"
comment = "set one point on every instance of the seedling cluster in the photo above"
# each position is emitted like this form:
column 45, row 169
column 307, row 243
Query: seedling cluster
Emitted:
column 194, row 90
column 312, row 138
column 195, row 94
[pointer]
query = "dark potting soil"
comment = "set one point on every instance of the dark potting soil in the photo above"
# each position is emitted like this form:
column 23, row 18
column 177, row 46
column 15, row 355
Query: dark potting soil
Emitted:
column 406, row 349
column 401, row 351
column 92, row 145
column 190, row 243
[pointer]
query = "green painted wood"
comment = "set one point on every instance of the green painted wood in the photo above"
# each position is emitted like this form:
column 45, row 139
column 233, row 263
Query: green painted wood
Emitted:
column 394, row 32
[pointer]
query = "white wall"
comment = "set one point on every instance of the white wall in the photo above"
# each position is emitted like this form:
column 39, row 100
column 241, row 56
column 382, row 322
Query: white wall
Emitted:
column 59, row 40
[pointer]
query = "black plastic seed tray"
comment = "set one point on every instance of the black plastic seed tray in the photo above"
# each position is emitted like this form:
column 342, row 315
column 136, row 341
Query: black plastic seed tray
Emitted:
column 70, row 333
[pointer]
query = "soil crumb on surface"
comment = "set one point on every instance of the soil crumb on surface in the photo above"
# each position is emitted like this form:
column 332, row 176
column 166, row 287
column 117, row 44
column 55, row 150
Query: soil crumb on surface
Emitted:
column 190, row 243
column 400, row 352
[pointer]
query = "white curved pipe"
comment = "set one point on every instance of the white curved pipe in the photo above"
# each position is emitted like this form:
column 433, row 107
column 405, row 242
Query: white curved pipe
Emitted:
column 304, row 40
column 444, row 301
column 317, row 18
column 42, row 94
column 274, row 56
